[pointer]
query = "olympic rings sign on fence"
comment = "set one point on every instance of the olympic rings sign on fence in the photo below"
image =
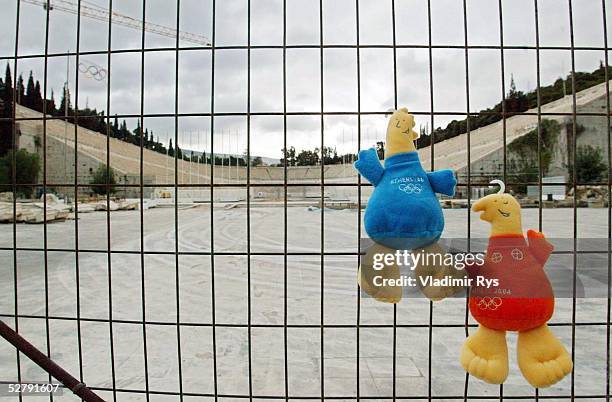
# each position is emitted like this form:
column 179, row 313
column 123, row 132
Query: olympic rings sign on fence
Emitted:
column 92, row 70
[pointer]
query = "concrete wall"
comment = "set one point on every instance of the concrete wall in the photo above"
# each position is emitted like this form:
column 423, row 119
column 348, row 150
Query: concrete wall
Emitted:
column 159, row 169
column 60, row 166
column 311, row 194
column 594, row 132
column 595, row 127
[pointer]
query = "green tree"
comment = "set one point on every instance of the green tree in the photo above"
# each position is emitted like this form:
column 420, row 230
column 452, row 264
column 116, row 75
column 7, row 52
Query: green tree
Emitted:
column 6, row 126
column 307, row 158
column 103, row 180
column 28, row 99
column 65, row 103
column 329, row 156
column 38, row 100
column 137, row 131
column 590, row 165
column 158, row 146
column 20, row 92
column 380, row 150
column 26, row 174
column 124, row 134
column 115, row 127
column 51, row 104
column 289, row 155
column 170, row 148
column 512, row 93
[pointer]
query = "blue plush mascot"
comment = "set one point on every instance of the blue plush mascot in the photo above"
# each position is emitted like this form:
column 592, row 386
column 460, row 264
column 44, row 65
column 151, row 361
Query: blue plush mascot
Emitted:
column 403, row 211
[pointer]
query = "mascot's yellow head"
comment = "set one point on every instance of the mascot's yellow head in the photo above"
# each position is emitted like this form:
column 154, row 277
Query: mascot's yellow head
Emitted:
column 502, row 211
column 400, row 133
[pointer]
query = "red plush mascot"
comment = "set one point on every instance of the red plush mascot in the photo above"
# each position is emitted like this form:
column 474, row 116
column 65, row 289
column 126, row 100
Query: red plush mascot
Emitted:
column 521, row 300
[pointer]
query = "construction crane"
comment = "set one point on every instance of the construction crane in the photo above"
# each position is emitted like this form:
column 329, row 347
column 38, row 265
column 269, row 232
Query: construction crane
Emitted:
column 96, row 12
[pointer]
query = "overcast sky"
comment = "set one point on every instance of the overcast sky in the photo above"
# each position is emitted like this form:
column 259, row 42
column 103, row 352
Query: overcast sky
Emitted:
column 303, row 65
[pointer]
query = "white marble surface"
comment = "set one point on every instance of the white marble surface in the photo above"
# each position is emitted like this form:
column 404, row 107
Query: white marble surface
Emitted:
column 267, row 343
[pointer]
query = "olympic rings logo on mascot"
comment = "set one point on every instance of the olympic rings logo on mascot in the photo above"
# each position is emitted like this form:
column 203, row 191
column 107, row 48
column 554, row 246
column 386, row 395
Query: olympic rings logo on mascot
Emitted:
column 489, row 303
column 410, row 188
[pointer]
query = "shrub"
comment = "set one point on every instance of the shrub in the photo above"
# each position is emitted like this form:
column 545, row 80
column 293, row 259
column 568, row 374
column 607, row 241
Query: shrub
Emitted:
column 526, row 167
column 28, row 167
column 527, row 146
column 104, row 175
column 590, row 165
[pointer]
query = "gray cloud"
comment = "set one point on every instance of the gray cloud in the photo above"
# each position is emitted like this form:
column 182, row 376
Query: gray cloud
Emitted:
column 303, row 65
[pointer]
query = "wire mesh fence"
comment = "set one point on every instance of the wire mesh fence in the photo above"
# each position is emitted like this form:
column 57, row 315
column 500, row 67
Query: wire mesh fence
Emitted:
column 235, row 300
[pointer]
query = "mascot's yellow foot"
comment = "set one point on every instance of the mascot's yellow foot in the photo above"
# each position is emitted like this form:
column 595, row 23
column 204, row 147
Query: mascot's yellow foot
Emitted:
column 542, row 358
column 367, row 273
column 485, row 355
column 431, row 265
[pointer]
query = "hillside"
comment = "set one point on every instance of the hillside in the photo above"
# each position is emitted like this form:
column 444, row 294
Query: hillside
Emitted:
column 451, row 154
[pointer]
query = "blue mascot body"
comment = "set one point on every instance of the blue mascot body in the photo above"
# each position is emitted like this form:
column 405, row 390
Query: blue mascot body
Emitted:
column 403, row 211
